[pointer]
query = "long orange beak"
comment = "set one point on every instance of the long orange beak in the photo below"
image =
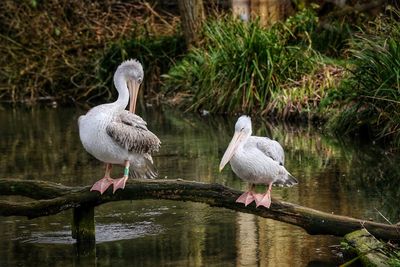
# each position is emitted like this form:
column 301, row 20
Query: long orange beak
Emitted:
column 233, row 145
column 133, row 87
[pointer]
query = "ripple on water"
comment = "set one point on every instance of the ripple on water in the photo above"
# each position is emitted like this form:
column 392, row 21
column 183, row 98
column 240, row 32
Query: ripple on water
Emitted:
column 119, row 231
column 104, row 233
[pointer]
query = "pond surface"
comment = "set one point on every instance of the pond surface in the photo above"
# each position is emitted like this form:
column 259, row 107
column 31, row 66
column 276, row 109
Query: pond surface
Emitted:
column 342, row 178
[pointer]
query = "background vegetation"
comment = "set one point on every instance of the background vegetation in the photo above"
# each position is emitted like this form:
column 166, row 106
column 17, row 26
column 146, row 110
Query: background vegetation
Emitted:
column 369, row 98
column 244, row 67
column 54, row 49
column 241, row 66
column 338, row 66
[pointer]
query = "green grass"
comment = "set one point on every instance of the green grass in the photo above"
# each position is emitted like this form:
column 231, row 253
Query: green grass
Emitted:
column 370, row 97
column 394, row 260
column 242, row 66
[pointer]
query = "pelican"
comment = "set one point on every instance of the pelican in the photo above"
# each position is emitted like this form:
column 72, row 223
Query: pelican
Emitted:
column 257, row 160
column 114, row 135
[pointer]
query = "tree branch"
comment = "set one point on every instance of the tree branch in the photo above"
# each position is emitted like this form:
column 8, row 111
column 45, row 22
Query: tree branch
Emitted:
column 215, row 195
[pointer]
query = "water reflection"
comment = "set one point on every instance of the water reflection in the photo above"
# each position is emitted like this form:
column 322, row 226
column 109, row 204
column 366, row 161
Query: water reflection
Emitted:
column 348, row 179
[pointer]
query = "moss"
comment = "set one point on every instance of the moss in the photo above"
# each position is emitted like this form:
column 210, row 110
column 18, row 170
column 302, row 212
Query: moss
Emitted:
column 370, row 251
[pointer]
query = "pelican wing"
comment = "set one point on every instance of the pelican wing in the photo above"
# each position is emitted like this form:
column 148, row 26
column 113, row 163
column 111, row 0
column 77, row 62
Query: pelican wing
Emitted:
column 269, row 147
column 284, row 178
column 130, row 132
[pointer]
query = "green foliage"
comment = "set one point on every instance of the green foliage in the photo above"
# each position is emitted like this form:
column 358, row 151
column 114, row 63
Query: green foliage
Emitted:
column 156, row 54
column 372, row 91
column 345, row 245
column 332, row 39
column 241, row 65
column 300, row 25
column 51, row 49
column 394, row 261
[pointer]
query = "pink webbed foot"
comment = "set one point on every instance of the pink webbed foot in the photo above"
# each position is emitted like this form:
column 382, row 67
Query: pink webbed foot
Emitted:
column 102, row 185
column 263, row 200
column 119, row 183
column 246, row 198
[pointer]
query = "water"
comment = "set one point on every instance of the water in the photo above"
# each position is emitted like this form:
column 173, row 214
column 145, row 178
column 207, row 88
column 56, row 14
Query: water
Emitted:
column 342, row 178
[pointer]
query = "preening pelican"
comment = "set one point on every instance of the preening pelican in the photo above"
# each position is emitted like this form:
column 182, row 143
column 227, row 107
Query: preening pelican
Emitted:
column 257, row 160
column 114, row 135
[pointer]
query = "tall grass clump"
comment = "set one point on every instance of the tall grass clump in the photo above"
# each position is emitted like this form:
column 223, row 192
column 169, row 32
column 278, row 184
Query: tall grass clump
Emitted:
column 372, row 92
column 241, row 64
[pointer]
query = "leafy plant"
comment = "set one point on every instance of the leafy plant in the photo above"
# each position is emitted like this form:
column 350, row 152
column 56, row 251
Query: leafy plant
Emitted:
column 51, row 49
column 332, row 39
column 242, row 65
column 373, row 99
column 394, row 261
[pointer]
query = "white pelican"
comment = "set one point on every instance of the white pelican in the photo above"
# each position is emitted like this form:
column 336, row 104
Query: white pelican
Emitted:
column 114, row 135
column 257, row 160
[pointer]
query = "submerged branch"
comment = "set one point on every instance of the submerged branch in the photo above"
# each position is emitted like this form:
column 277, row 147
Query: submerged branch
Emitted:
column 58, row 198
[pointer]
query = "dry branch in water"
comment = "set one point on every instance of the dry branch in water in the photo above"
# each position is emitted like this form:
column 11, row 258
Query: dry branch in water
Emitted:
column 57, row 198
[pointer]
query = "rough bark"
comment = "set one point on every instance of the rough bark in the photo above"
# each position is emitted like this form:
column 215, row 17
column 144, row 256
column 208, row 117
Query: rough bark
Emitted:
column 215, row 195
column 192, row 16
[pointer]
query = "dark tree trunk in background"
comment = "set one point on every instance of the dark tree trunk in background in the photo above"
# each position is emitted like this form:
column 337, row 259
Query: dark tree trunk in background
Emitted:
column 192, row 16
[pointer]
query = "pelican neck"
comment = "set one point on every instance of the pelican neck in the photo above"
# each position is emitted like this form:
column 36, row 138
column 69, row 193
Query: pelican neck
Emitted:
column 123, row 92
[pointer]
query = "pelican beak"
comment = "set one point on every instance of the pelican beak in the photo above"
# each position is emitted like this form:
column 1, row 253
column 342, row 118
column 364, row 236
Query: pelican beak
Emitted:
column 233, row 145
column 133, row 87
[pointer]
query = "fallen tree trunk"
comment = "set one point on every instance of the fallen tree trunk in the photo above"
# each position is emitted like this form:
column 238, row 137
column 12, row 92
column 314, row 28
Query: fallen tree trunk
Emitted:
column 215, row 195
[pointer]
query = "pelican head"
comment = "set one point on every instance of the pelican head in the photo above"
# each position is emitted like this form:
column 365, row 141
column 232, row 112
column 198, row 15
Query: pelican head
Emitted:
column 132, row 72
column 242, row 132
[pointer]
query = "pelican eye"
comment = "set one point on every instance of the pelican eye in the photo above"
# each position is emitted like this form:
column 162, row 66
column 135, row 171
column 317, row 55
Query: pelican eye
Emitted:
column 139, row 80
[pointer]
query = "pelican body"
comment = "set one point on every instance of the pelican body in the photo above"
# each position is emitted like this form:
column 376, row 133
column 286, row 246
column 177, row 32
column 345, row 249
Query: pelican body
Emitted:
column 256, row 160
column 114, row 135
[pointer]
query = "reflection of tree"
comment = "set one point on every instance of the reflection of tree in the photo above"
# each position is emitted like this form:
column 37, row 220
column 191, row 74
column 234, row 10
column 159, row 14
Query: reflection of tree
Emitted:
column 291, row 245
column 342, row 178
column 191, row 235
column 42, row 143
column 247, row 240
column 187, row 141
column 376, row 174
column 338, row 170
column 263, row 242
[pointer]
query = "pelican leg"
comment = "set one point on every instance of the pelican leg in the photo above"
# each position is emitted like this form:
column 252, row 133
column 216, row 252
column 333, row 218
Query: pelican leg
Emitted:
column 102, row 184
column 120, row 183
column 265, row 200
column 247, row 197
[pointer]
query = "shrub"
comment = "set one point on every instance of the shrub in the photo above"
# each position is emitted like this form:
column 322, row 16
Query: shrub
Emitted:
column 373, row 89
column 50, row 49
column 241, row 65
